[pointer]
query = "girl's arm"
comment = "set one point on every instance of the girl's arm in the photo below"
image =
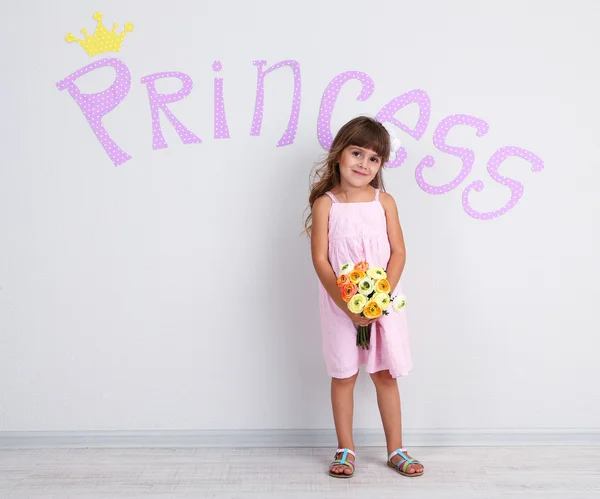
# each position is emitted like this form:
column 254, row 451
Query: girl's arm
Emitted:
column 319, row 245
column 396, row 238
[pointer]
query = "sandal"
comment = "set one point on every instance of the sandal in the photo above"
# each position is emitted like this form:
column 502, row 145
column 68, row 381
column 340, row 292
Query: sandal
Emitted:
column 343, row 461
column 403, row 464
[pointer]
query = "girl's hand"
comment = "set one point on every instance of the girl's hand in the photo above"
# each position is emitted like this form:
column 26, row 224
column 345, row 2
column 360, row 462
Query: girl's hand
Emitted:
column 359, row 320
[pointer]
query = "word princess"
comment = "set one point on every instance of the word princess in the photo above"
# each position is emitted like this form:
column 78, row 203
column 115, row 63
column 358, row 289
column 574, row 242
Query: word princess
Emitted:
column 95, row 106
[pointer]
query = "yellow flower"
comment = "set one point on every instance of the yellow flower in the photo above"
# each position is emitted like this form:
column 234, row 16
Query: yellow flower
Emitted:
column 382, row 299
column 357, row 303
column 377, row 273
column 356, row 276
column 382, row 286
column 372, row 310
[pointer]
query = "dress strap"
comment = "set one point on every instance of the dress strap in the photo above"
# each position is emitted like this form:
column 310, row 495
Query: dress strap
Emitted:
column 333, row 198
column 376, row 194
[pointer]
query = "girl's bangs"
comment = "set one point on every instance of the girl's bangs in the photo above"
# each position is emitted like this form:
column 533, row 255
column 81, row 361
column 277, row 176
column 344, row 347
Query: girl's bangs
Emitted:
column 376, row 140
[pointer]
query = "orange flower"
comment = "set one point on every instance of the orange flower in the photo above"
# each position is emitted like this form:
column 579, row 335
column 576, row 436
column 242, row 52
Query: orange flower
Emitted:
column 343, row 279
column 363, row 266
column 382, row 286
column 372, row 310
column 356, row 276
column 348, row 290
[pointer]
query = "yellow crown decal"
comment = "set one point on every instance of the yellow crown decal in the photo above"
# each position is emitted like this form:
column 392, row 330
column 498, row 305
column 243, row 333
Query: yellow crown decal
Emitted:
column 102, row 40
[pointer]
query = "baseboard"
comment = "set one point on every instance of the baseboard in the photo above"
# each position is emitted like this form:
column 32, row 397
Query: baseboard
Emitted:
column 296, row 438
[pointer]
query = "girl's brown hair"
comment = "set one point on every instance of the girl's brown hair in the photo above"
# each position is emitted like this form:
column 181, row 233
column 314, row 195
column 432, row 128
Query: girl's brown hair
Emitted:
column 362, row 131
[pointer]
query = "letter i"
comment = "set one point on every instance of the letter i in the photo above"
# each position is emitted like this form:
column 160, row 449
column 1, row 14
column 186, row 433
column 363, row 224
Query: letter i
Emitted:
column 220, row 121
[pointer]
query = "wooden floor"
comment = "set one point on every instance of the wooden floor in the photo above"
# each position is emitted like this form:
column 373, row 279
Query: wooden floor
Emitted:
column 451, row 472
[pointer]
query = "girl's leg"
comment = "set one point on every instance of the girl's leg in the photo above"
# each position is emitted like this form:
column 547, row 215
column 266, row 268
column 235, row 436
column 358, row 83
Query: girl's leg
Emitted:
column 388, row 400
column 342, row 401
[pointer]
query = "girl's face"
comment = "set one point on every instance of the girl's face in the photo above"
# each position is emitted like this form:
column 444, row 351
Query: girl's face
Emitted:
column 358, row 166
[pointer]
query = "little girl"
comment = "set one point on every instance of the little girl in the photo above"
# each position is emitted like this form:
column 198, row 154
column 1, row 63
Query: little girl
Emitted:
column 352, row 220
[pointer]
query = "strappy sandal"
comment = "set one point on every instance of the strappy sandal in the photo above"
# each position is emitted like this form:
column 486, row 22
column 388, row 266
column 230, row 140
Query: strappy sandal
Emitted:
column 344, row 462
column 404, row 463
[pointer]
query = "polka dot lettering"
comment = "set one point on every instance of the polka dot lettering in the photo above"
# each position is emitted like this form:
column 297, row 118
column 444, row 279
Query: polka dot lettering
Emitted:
column 388, row 111
column 290, row 132
column 221, row 130
column 160, row 101
column 467, row 155
column 95, row 106
column 329, row 98
column 516, row 187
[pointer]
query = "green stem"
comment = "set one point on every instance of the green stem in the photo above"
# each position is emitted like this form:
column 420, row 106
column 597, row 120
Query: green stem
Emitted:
column 363, row 336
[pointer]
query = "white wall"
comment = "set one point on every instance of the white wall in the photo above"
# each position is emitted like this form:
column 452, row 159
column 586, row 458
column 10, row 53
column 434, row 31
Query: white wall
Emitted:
column 105, row 317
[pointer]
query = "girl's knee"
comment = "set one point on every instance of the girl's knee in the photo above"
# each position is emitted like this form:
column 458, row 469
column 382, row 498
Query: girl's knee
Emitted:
column 345, row 381
column 383, row 377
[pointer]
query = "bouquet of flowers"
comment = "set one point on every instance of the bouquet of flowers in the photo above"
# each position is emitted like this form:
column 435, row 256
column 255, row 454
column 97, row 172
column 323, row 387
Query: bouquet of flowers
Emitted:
column 367, row 292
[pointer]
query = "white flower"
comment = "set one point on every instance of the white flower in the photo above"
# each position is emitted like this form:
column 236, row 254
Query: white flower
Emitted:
column 366, row 286
column 347, row 268
column 395, row 142
column 399, row 302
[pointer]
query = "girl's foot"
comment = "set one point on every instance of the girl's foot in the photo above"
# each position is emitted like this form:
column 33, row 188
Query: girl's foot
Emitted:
column 404, row 463
column 343, row 464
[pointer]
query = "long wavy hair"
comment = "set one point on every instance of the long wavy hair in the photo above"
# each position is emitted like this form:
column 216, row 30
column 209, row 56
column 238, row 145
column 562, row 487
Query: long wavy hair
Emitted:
column 361, row 131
